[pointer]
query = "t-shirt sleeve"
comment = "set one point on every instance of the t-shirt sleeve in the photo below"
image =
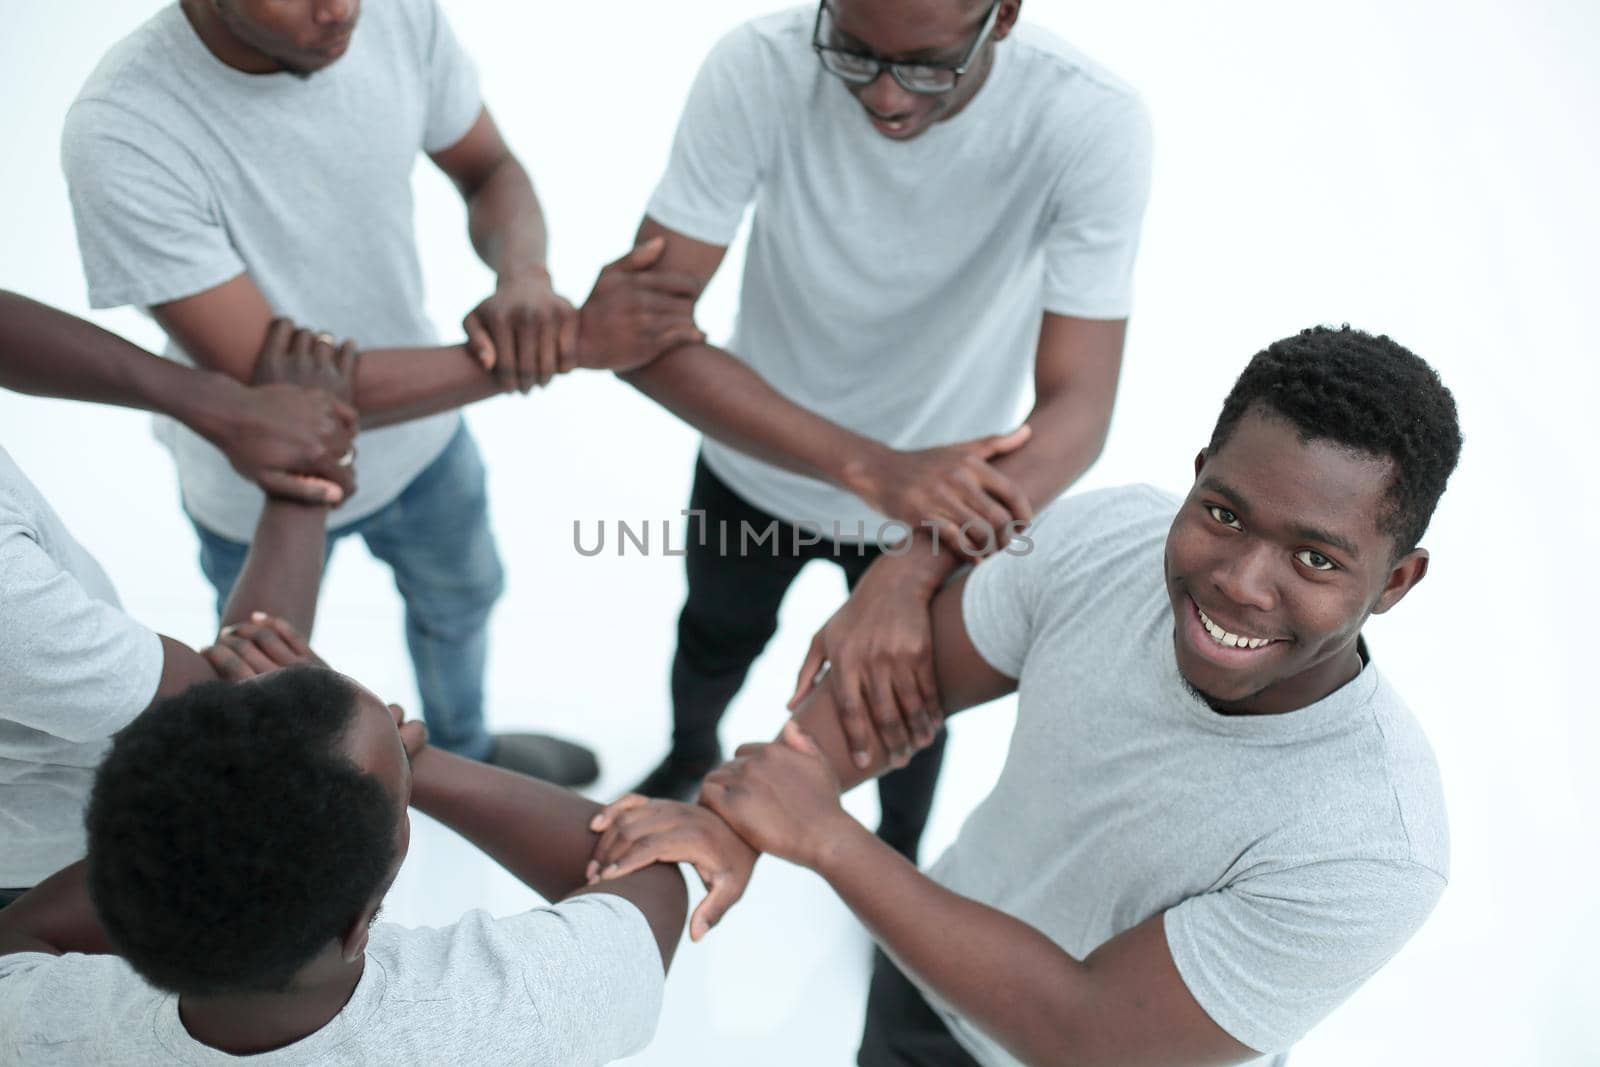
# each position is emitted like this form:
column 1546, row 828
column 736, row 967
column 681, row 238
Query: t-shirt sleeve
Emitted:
column 454, row 98
column 595, row 971
column 1269, row 957
column 19, row 973
column 149, row 230
column 723, row 144
column 999, row 605
column 1095, row 214
column 71, row 666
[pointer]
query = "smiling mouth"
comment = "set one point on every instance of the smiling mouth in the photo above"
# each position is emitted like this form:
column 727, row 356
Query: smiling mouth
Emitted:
column 1228, row 639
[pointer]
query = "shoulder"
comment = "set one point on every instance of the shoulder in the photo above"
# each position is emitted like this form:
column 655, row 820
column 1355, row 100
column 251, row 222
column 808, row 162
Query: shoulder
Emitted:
column 73, row 999
column 1410, row 782
column 1078, row 103
column 772, row 48
column 135, row 62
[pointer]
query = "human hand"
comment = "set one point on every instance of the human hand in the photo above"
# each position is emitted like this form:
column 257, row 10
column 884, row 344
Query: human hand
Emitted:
column 293, row 431
column 878, row 653
column 636, row 312
column 636, row 832
column 952, row 488
column 524, row 332
column 781, row 797
column 261, row 645
column 413, row 733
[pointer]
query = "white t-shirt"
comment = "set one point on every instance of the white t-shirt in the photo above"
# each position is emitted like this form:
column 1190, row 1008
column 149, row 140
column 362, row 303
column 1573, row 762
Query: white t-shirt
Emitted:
column 74, row 669
column 185, row 173
column 1291, row 855
column 576, row 984
column 897, row 288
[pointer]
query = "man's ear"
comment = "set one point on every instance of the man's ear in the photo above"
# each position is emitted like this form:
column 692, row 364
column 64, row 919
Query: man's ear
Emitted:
column 354, row 942
column 1411, row 569
column 1199, row 462
column 1006, row 20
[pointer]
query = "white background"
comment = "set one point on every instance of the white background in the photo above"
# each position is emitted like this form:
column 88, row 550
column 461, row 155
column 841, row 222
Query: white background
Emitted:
column 1425, row 169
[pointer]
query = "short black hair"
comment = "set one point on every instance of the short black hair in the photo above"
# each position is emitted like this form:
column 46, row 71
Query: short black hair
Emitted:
column 1366, row 393
column 229, row 837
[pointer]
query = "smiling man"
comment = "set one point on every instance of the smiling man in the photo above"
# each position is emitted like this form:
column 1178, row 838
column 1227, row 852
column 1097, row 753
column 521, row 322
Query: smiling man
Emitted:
column 235, row 159
column 1216, row 819
column 946, row 211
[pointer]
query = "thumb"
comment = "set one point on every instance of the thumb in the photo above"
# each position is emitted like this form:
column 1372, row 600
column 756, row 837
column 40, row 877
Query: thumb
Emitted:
column 478, row 342
column 718, row 899
column 1001, row 443
column 643, row 255
column 799, row 740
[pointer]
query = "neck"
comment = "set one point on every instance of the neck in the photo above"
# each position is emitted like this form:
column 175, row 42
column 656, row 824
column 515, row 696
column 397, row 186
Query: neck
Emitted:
column 245, row 1024
column 223, row 43
column 1301, row 691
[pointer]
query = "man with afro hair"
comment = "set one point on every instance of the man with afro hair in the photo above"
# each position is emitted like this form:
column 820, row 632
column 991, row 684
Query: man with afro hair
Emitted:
column 1216, row 819
column 241, row 840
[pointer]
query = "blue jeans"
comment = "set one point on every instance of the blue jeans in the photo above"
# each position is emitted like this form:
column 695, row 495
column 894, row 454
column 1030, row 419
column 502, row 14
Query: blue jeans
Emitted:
column 435, row 537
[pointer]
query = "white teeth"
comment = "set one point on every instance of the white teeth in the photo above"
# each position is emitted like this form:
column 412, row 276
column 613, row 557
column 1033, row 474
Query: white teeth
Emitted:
column 1223, row 637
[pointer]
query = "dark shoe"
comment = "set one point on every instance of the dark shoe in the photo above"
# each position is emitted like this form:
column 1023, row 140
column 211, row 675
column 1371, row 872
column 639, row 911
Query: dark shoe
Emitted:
column 676, row 778
column 550, row 758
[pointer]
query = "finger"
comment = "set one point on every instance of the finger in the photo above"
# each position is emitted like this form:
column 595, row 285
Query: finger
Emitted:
column 348, row 421
column 1007, row 492
column 413, row 735
column 816, row 656
column 674, row 336
column 479, row 343
column 799, row 740
column 549, row 349
column 670, row 282
column 1001, row 443
column 345, row 364
column 608, row 814
column 253, row 657
column 285, row 630
column 643, row 255
column 229, row 667
column 302, row 344
column 268, row 643
column 852, row 714
column 568, row 341
column 722, row 892
column 908, row 691
column 928, row 684
column 279, row 332
column 525, row 329
column 886, row 714
column 507, row 366
column 300, row 488
column 397, row 713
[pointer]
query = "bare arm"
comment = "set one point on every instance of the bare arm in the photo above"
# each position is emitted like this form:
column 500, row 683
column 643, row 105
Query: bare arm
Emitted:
column 268, row 434
column 55, row 917
column 539, row 832
column 222, row 328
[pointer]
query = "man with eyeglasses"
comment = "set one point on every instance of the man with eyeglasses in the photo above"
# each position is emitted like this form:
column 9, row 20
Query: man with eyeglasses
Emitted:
column 945, row 201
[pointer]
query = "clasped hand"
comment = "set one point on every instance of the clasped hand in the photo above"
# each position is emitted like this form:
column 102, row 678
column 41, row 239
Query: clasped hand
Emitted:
column 780, row 797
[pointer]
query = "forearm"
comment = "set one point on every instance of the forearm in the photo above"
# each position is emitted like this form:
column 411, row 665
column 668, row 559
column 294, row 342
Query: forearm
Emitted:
column 1009, row 979
column 537, row 831
column 1069, row 432
column 45, row 352
column 720, row 396
column 283, row 572
column 399, row 384
column 505, row 222
column 56, row 917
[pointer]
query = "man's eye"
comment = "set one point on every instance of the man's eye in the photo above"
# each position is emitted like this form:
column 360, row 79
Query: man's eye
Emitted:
column 1314, row 559
column 1224, row 516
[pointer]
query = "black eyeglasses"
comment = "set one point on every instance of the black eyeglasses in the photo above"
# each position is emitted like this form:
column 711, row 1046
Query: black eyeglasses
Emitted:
column 929, row 79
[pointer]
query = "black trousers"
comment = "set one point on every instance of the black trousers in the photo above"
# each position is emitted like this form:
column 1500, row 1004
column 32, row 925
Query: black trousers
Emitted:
column 902, row 1030
column 738, row 576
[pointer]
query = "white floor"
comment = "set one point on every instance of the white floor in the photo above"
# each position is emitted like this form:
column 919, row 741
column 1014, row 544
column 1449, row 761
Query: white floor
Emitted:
column 1425, row 169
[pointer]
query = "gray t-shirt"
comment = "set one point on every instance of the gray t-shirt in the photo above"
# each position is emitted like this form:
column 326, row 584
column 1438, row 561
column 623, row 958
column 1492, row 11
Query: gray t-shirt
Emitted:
column 74, row 669
column 897, row 287
column 576, row 984
column 185, row 173
column 1292, row 855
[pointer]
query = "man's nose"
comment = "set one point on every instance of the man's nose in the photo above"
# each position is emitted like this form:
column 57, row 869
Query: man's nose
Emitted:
column 1247, row 579
column 334, row 12
column 885, row 96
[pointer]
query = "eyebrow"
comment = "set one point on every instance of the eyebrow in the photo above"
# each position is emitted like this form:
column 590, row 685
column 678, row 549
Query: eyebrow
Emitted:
column 921, row 55
column 1305, row 533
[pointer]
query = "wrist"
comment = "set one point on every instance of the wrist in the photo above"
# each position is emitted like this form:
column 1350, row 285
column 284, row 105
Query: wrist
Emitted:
column 528, row 273
column 919, row 567
column 839, row 846
column 864, row 471
column 207, row 403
